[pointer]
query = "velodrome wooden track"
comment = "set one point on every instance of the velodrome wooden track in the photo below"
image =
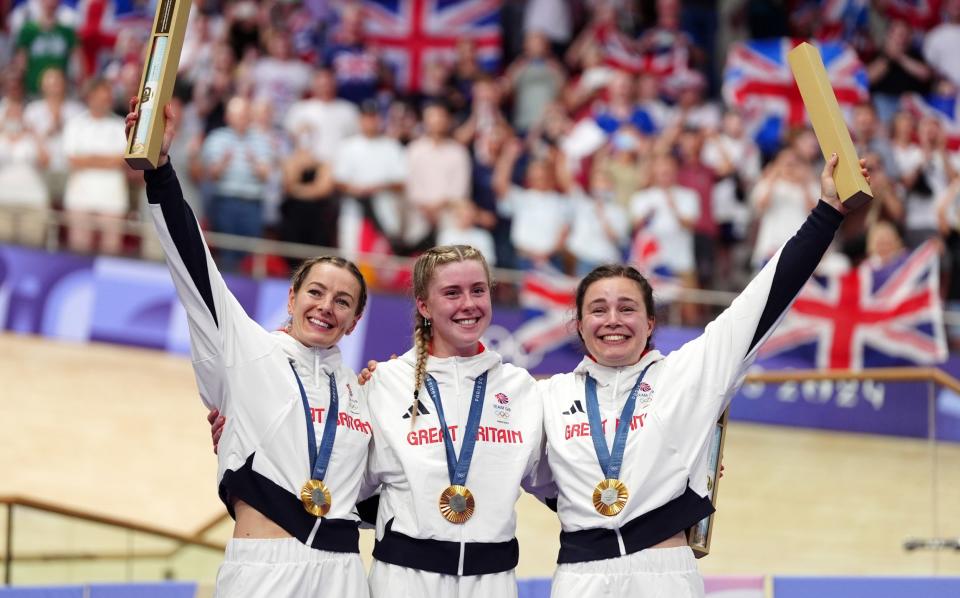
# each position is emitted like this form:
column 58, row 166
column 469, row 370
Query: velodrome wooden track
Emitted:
column 121, row 432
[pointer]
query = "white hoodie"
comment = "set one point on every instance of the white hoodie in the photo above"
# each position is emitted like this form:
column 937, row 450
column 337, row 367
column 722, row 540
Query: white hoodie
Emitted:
column 245, row 372
column 411, row 462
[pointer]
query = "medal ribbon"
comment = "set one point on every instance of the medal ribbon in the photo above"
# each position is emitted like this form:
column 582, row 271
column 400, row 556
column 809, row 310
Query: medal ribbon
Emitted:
column 458, row 468
column 319, row 459
column 610, row 463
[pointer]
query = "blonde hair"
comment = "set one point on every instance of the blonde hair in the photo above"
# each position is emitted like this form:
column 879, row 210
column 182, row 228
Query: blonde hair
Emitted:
column 423, row 271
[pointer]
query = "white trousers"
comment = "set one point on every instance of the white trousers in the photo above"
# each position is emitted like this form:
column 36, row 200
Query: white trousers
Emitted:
column 392, row 581
column 651, row 573
column 286, row 568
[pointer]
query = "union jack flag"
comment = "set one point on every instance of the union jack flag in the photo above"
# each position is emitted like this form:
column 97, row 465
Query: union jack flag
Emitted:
column 919, row 14
column 891, row 315
column 411, row 34
column 758, row 81
column 548, row 302
column 843, row 20
column 943, row 108
column 664, row 56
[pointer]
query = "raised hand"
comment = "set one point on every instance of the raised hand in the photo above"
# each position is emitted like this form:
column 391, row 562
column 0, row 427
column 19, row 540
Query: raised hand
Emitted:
column 168, row 128
column 828, row 188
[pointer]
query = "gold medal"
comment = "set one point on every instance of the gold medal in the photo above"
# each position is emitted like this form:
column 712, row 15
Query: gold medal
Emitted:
column 457, row 504
column 609, row 497
column 316, row 498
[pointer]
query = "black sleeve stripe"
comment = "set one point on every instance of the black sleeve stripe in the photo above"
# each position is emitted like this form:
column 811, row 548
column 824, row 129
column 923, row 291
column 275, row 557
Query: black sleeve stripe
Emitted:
column 163, row 188
column 367, row 509
column 798, row 260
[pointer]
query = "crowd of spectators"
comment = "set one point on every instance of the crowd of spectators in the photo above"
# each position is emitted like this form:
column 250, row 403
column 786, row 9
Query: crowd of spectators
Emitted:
column 292, row 126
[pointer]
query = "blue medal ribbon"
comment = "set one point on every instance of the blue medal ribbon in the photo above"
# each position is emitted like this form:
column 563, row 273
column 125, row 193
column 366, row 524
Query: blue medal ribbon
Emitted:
column 610, row 461
column 458, row 468
column 319, row 459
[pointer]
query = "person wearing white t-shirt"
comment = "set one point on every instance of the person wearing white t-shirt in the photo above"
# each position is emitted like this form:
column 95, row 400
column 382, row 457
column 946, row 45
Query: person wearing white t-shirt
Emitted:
column 322, row 121
column 46, row 117
column 541, row 215
column 781, row 201
column 280, row 77
column 668, row 212
column 370, row 170
column 21, row 185
column 925, row 170
column 96, row 191
column 600, row 230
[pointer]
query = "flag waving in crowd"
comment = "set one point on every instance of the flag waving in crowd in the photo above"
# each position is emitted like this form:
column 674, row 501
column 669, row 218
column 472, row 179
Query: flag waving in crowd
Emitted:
column 758, row 79
column 868, row 317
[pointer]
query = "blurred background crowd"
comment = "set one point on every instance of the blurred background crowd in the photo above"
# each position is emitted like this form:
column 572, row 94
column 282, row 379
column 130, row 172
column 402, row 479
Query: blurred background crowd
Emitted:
column 552, row 134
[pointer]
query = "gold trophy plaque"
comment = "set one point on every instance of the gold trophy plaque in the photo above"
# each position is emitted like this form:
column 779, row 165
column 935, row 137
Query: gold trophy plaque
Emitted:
column 699, row 535
column 156, row 83
column 832, row 133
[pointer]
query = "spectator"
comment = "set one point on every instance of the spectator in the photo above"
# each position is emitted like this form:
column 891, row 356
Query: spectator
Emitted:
column 553, row 19
column 600, row 229
column 623, row 165
column 486, row 149
column 541, row 216
column 199, row 44
column 884, row 244
column 262, row 122
column 941, row 46
column 370, row 170
column 322, row 121
column 870, row 137
column 667, row 214
column 699, row 178
column 13, row 91
column 44, row 43
column 357, row 68
column 786, row 193
column 465, row 73
column 591, row 83
column 22, row 157
column 438, row 175
column 402, row 123
column 692, row 108
column 535, row 79
column 735, row 160
column 96, row 193
column 924, row 170
column 243, row 29
column 458, row 226
column 309, row 210
column 485, row 115
column 279, row 78
column 46, row 118
column 656, row 111
column 897, row 69
column 238, row 162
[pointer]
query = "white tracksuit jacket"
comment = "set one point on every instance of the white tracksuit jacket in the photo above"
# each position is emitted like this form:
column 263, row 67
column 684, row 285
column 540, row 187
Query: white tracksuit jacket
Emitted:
column 683, row 395
column 411, row 465
column 244, row 371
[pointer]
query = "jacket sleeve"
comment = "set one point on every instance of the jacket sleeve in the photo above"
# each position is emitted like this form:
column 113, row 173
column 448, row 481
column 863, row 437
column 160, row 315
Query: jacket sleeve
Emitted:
column 538, row 477
column 214, row 316
column 707, row 371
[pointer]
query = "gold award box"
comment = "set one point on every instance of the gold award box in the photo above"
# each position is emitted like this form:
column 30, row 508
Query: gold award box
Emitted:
column 832, row 133
column 699, row 535
column 156, row 82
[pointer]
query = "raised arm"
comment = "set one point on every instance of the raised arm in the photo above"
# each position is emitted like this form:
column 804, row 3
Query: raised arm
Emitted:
column 715, row 363
column 214, row 316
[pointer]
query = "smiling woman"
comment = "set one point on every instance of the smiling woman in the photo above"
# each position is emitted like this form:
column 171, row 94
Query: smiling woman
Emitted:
column 446, row 527
column 291, row 455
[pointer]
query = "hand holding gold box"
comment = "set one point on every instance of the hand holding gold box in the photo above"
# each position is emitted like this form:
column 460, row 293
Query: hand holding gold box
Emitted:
column 156, row 83
column 699, row 536
column 828, row 124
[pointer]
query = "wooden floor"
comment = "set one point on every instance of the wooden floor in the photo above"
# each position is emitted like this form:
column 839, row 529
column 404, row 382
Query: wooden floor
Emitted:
column 120, row 431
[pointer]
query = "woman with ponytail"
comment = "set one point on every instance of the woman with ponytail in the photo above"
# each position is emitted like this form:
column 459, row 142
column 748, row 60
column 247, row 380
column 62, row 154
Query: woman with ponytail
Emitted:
column 457, row 433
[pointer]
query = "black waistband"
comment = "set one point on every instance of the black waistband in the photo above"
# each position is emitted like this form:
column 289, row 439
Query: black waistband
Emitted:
column 286, row 510
column 642, row 532
column 440, row 556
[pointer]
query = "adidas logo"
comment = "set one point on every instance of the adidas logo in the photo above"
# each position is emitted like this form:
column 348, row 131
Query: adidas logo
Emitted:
column 421, row 410
column 576, row 408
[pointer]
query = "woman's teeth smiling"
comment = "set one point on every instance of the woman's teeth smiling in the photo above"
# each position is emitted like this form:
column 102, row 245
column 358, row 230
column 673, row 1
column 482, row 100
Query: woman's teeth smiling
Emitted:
column 320, row 323
column 467, row 321
column 613, row 338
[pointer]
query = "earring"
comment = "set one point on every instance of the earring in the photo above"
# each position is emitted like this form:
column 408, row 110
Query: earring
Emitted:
column 426, row 323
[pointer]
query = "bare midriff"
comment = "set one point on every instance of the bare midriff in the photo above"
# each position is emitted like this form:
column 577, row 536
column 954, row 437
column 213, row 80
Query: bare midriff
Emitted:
column 675, row 541
column 253, row 524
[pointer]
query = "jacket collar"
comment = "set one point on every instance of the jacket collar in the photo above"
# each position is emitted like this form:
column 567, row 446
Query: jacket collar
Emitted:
column 605, row 375
column 469, row 367
column 313, row 360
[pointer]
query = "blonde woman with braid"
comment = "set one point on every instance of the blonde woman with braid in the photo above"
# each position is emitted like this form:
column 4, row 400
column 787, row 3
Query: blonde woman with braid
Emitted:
column 457, row 433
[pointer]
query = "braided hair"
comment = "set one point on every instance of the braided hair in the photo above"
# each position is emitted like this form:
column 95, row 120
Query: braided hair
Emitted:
column 423, row 271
